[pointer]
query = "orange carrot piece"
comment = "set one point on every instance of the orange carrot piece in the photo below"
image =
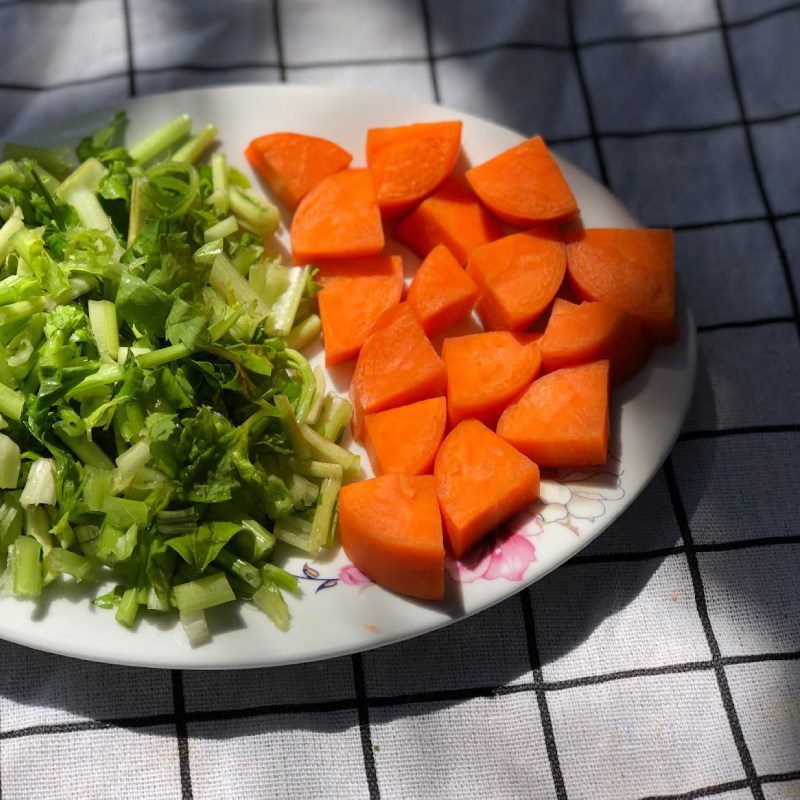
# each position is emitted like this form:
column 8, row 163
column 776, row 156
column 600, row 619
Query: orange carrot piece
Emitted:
column 632, row 269
column 562, row 420
column 452, row 217
column 397, row 366
column 292, row 164
column 338, row 218
column 354, row 294
column 441, row 292
column 410, row 162
column 391, row 529
column 524, row 185
column 486, row 372
column 591, row 332
column 481, row 481
column 406, row 439
column 517, row 277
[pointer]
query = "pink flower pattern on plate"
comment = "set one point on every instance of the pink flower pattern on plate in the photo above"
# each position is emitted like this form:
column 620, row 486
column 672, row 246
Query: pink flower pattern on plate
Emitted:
column 353, row 576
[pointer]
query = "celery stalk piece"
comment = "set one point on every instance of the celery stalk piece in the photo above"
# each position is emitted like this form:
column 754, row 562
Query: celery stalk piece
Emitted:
column 88, row 537
column 325, row 450
column 129, row 464
column 295, row 531
column 10, row 462
column 225, row 227
column 319, row 397
column 284, row 309
column 233, row 288
column 194, row 623
column 323, row 515
column 304, row 493
column 97, row 487
column 11, row 515
column 263, row 542
column 95, row 384
column 59, row 161
column 13, row 224
column 11, row 174
column 49, row 181
column 255, row 214
column 239, row 567
column 11, row 403
column 127, row 609
column 61, row 560
column 40, row 488
column 280, row 577
column 21, row 310
column 293, row 428
column 164, row 355
column 90, row 453
column 315, row 469
column 270, row 600
column 161, row 139
column 336, row 413
column 303, row 333
column 103, row 320
column 26, row 567
column 309, row 383
column 136, row 214
column 78, row 190
column 122, row 512
column 77, row 287
column 197, row 145
column 213, row 590
column 219, row 199
column 37, row 525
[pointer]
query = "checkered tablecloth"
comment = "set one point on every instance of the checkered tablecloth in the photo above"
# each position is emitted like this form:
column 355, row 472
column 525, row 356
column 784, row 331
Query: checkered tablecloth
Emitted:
column 665, row 659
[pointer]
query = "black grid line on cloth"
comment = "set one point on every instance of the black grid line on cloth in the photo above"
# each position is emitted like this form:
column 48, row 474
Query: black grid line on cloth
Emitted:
column 746, row 323
column 584, row 87
column 128, row 28
column 705, row 620
column 753, row 156
column 362, row 708
column 747, row 430
column 278, row 32
column 541, row 697
column 181, row 732
column 430, row 58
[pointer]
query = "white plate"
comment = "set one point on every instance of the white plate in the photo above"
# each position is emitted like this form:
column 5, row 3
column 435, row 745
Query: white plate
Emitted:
column 336, row 614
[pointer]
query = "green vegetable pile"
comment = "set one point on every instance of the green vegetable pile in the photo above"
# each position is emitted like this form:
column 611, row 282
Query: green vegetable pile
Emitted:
column 160, row 426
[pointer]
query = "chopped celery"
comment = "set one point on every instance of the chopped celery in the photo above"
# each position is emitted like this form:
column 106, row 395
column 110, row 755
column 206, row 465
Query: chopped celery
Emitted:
column 196, row 628
column 293, row 428
column 223, row 228
column 127, row 609
column 103, row 319
column 40, row 488
column 255, row 214
column 164, row 355
column 239, row 567
column 304, row 493
column 284, row 308
column 296, row 531
column 319, row 397
column 26, row 567
column 323, row 513
column 88, row 537
column 316, row 469
column 213, row 590
column 11, row 403
column 11, row 516
column 61, row 560
column 280, row 577
column 137, row 209
column 325, row 450
column 197, row 145
column 87, row 451
column 123, row 512
column 336, row 413
column 129, row 464
column 161, row 139
column 270, row 600
column 303, row 333
column 254, row 541
column 37, row 525
column 9, row 462
column 58, row 161
column 219, row 199
column 115, row 544
column 233, row 287
column 10, row 227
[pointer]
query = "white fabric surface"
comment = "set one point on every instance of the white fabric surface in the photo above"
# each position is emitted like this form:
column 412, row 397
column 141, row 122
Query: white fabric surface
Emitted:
column 665, row 661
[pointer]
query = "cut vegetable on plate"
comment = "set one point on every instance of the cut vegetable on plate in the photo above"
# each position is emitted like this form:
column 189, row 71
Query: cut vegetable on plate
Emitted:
column 411, row 161
column 354, row 295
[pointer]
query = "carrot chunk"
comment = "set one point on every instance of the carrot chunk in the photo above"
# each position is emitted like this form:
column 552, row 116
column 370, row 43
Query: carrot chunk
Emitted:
column 481, row 481
column 524, row 185
column 410, row 162
column 397, row 366
column 354, row 294
column 292, row 164
column 517, row 277
column 592, row 332
column 391, row 529
column 486, row 372
column 452, row 217
column 406, row 439
column 338, row 218
column 562, row 420
column 632, row 269
column 441, row 292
